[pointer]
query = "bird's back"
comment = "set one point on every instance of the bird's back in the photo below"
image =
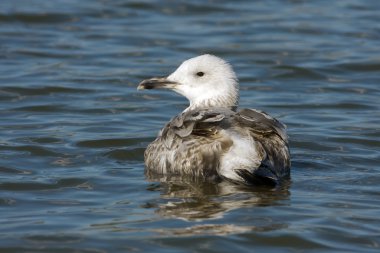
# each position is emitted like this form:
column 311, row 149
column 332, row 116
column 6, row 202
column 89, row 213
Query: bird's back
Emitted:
column 247, row 146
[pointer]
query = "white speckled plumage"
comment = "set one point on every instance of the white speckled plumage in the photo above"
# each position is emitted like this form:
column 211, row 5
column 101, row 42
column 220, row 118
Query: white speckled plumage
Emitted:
column 210, row 139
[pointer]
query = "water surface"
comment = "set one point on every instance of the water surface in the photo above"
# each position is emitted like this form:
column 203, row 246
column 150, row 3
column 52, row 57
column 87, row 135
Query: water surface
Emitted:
column 73, row 127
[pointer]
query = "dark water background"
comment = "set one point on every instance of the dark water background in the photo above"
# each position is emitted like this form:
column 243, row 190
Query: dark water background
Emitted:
column 73, row 128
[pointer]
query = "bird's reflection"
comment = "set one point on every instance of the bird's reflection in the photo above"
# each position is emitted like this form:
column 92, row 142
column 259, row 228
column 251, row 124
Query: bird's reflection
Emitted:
column 195, row 200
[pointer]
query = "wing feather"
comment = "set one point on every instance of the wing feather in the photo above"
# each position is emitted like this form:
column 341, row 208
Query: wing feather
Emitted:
column 194, row 142
column 191, row 143
column 271, row 140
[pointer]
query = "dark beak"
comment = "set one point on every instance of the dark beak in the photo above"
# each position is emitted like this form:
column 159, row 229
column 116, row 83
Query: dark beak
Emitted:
column 156, row 83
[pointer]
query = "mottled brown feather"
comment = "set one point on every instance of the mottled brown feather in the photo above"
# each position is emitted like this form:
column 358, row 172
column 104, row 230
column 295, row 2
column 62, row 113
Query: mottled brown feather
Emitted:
column 193, row 143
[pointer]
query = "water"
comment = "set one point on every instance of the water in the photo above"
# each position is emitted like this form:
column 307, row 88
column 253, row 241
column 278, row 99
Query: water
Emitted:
column 73, row 127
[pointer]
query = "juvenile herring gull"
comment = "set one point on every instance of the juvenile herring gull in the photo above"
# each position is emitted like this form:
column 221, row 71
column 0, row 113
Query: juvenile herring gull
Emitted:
column 210, row 138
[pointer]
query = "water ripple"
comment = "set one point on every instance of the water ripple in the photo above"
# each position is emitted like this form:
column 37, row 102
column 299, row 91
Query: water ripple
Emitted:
column 136, row 154
column 37, row 186
column 35, row 18
column 14, row 171
column 39, row 91
column 111, row 142
column 33, row 150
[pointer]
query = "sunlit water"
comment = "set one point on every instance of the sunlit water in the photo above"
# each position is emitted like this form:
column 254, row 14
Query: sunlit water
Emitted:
column 73, row 127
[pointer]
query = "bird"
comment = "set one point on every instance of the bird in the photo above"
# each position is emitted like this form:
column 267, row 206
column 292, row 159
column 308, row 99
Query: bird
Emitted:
column 211, row 139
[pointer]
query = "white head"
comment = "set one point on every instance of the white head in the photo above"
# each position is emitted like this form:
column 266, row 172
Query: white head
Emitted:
column 206, row 81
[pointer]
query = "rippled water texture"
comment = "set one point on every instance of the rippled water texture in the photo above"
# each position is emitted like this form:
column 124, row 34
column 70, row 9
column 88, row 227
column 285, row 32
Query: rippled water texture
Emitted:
column 73, row 127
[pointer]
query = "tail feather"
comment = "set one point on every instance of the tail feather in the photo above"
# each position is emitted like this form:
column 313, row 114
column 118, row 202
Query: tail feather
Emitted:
column 262, row 176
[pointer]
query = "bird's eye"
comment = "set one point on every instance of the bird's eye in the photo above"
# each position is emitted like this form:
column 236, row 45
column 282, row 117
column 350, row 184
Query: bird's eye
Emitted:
column 200, row 73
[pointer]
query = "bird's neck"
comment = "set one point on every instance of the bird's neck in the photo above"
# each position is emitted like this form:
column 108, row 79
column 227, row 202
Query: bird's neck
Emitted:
column 230, row 102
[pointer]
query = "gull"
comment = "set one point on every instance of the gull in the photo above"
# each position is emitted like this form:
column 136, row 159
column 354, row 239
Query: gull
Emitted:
column 211, row 139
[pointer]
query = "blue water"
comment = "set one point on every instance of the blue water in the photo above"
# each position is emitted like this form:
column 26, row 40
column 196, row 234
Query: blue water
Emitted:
column 73, row 127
